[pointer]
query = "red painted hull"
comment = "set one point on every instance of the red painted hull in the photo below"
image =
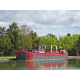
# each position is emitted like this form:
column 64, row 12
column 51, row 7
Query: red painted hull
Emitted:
column 26, row 55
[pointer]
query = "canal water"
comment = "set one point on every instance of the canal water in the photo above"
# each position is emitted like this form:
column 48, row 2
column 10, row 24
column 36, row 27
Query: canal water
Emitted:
column 70, row 64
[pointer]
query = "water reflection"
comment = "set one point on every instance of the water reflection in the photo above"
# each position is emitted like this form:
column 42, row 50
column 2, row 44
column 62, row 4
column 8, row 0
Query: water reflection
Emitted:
column 40, row 65
column 47, row 65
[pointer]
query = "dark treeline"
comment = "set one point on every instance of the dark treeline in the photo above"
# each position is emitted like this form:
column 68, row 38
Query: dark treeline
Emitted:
column 14, row 37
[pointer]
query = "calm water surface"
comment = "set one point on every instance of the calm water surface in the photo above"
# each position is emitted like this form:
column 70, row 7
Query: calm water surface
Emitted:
column 70, row 64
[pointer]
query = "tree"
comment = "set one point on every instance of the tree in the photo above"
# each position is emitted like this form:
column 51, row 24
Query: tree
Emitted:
column 8, row 44
column 48, row 41
column 26, row 42
column 24, row 30
column 68, row 34
column 5, row 43
column 78, row 43
column 26, row 38
column 2, row 31
column 35, row 40
column 13, row 33
column 75, row 38
column 50, row 35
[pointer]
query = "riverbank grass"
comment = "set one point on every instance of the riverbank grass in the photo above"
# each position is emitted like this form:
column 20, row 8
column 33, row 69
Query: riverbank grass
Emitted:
column 7, row 56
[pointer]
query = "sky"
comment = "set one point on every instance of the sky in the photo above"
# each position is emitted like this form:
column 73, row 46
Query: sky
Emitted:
column 57, row 22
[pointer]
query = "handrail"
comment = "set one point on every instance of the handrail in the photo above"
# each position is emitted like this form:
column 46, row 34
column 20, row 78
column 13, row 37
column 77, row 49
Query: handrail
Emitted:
column 48, row 45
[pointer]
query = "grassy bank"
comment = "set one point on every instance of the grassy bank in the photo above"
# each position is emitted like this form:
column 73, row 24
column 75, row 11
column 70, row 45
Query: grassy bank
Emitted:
column 7, row 56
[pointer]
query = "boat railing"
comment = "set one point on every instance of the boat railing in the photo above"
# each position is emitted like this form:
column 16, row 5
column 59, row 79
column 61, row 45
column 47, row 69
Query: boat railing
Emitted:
column 47, row 50
column 41, row 50
column 51, row 47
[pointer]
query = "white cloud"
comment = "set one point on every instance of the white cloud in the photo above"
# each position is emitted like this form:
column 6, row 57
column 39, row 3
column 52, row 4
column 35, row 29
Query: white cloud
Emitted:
column 76, row 25
column 41, row 26
column 41, row 20
column 3, row 24
column 61, row 33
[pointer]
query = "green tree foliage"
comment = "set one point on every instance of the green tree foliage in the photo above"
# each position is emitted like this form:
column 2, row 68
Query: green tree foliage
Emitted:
column 48, row 41
column 13, row 33
column 2, row 31
column 24, row 30
column 78, row 42
column 50, row 35
column 69, row 43
column 75, row 38
column 66, row 42
column 14, row 37
column 78, row 46
column 35, row 40
column 26, row 38
column 26, row 42
column 5, row 43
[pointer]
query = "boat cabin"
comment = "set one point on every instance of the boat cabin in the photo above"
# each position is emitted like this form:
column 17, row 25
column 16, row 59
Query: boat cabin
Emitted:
column 43, row 48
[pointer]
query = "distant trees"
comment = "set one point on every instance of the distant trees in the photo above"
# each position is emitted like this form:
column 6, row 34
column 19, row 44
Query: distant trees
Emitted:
column 24, row 30
column 13, row 33
column 78, row 46
column 5, row 44
column 50, row 35
column 26, row 38
column 68, row 34
column 78, row 42
column 69, row 43
column 35, row 40
column 65, row 42
column 2, row 31
column 48, row 40
column 14, row 37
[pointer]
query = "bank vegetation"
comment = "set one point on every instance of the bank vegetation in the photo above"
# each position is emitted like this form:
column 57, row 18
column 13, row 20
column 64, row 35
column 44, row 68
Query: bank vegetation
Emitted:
column 14, row 37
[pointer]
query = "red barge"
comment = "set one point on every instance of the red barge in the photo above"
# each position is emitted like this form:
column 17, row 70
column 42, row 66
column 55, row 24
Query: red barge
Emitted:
column 41, row 54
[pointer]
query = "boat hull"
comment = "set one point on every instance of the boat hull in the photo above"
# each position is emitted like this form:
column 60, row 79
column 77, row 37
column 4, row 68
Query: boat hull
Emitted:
column 21, row 56
column 39, row 56
column 49, row 56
